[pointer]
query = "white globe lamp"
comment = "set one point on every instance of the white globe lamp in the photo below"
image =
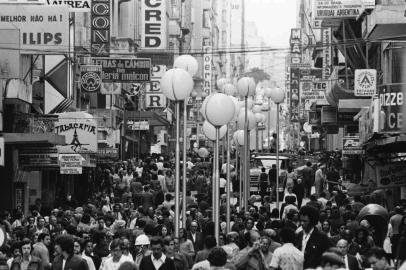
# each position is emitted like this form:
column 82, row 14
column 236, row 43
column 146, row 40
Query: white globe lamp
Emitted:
column 176, row 84
column 210, row 131
column 219, row 109
column 246, row 87
column 188, row 63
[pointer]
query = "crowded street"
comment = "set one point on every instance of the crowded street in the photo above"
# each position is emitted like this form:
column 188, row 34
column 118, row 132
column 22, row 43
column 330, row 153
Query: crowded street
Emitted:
column 202, row 135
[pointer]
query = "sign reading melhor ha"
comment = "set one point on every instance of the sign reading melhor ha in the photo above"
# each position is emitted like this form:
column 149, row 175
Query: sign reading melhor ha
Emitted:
column 43, row 29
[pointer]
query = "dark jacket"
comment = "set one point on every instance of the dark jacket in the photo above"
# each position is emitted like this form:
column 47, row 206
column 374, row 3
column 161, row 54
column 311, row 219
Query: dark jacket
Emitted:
column 198, row 244
column 317, row 244
column 146, row 264
column 353, row 263
column 73, row 262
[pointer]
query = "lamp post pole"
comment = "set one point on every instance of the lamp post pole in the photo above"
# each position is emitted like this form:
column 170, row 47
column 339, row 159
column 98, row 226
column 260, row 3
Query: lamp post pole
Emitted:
column 269, row 125
column 216, row 185
column 246, row 159
column 184, row 163
column 177, row 170
column 228, row 181
column 277, row 156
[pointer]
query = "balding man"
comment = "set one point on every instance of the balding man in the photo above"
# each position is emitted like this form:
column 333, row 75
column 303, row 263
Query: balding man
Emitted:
column 195, row 236
column 351, row 262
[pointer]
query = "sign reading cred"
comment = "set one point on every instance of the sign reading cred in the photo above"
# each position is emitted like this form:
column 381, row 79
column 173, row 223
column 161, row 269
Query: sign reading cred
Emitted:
column 153, row 23
column 124, row 70
column 100, row 27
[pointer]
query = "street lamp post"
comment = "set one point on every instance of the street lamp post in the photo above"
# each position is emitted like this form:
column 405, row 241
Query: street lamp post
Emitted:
column 189, row 64
column 176, row 85
column 267, row 94
column 246, row 87
column 219, row 111
column 278, row 96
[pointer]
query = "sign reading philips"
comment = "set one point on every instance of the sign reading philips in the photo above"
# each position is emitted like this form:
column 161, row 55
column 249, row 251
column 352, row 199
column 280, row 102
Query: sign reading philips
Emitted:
column 43, row 29
column 153, row 23
column 100, row 27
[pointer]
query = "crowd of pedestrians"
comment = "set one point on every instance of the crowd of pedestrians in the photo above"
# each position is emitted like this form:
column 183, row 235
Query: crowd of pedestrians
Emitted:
column 128, row 224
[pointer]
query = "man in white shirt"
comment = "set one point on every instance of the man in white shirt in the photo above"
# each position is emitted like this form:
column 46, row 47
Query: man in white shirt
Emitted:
column 117, row 258
column 287, row 256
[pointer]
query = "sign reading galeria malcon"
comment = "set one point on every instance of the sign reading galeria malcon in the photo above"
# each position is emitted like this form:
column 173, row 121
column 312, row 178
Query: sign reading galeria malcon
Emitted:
column 80, row 131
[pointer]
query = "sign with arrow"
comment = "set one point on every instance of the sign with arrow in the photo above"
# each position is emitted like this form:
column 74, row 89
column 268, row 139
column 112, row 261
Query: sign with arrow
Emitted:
column 365, row 82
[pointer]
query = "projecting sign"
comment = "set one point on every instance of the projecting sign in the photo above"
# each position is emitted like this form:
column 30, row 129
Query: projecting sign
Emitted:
column 70, row 163
column 100, row 28
column 80, row 134
column 38, row 157
column 341, row 8
column 124, row 70
column 153, row 25
column 43, row 29
column 207, row 58
column 137, row 125
column 90, row 78
column 391, row 102
column 352, row 146
column 326, row 37
column 365, row 82
column 2, row 149
column 74, row 5
column 296, row 46
column 154, row 97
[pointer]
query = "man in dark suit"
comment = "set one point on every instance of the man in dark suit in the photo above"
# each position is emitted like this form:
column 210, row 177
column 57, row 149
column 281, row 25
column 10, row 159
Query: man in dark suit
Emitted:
column 311, row 241
column 195, row 236
column 351, row 262
column 66, row 260
column 158, row 260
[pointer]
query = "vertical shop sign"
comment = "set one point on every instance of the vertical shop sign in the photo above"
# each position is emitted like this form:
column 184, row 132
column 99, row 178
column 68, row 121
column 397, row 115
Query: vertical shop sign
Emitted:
column 326, row 40
column 153, row 24
column 296, row 46
column 2, row 148
column 294, row 94
column 154, row 96
column 207, row 58
column 391, row 102
column 100, row 27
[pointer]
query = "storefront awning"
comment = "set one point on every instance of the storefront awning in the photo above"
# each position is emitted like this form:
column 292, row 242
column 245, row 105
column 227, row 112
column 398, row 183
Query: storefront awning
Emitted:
column 352, row 105
column 32, row 139
column 387, row 143
column 388, row 31
column 153, row 118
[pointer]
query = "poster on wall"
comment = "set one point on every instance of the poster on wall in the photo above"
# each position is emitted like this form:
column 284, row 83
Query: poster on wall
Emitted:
column 43, row 29
column 391, row 175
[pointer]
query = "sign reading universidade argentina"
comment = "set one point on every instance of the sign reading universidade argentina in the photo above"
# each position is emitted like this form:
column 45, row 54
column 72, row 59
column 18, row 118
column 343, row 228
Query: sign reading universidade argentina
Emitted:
column 80, row 134
column 340, row 8
column 153, row 25
column 43, row 29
